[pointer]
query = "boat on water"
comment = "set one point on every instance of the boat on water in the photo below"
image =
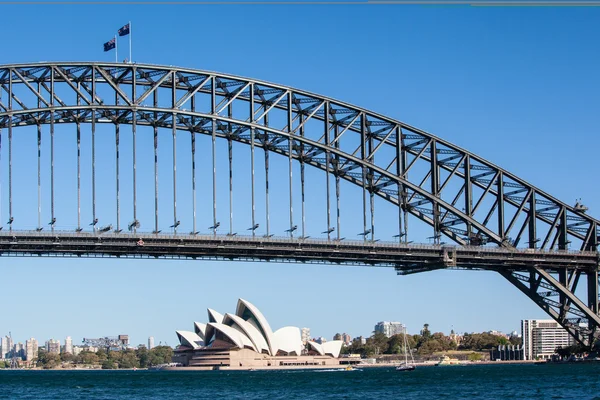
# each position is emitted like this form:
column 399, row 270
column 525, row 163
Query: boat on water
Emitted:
column 406, row 366
column 445, row 360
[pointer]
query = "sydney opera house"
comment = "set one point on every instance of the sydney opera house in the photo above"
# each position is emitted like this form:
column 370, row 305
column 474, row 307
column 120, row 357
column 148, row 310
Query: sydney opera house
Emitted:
column 245, row 340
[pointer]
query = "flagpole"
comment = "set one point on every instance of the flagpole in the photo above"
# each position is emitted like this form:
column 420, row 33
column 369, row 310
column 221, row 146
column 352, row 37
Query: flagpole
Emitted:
column 130, row 33
column 116, row 50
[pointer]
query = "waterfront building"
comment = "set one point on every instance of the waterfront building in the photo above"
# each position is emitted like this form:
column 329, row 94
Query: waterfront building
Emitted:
column 150, row 342
column 53, row 346
column 305, row 334
column 541, row 337
column 68, row 345
column 31, row 349
column 244, row 340
column 389, row 329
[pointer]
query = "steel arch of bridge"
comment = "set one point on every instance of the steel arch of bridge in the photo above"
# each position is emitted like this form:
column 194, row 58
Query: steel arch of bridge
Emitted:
column 459, row 194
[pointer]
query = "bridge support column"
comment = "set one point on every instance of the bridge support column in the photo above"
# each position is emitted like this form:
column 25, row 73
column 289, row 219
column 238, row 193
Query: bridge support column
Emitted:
column 559, row 300
column 592, row 289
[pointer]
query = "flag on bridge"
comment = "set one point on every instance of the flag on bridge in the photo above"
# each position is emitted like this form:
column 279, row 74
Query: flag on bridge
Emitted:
column 124, row 31
column 111, row 44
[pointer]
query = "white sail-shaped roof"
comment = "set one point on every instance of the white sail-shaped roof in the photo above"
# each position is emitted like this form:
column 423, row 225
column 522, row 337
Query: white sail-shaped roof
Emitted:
column 189, row 339
column 332, row 348
column 249, row 330
column 214, row 316
column 316, row 347
column 248, row 312
column 289, row 339
column 236, row 337
column 200, row 329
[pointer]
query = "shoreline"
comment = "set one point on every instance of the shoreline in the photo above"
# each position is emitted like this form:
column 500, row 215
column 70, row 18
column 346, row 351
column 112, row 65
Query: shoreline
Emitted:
column 342, row 367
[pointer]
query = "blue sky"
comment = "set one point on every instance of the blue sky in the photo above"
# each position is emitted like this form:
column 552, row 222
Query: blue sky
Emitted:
column 518, row 86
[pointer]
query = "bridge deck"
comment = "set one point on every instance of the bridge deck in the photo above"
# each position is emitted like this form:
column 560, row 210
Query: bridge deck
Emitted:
column 406, row 258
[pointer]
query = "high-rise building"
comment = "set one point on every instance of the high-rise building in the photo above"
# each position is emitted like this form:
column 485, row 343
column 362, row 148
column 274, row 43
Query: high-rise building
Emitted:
column 19, row 351
column 305, row 335
column 542, row 336
column 7, row 347
column 31, row 349
column 68, row 345
column 150, row 342
column 53, row 346
column 389, row 329
column 346, row 339
column 4, row 349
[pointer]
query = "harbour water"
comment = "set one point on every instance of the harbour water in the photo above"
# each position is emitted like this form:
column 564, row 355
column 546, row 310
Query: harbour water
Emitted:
column 455, row 382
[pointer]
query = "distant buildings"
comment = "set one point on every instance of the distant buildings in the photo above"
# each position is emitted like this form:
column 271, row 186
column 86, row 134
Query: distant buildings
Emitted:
column 541, row 337
column 360, row 339
column 68, row 345
column 4, row 347
column 389, row 329
column 31, row 349
column 305, row 335
column 456, row 338
column 53, row 346
column 19, row 351
column 346, row 339
column 320, row 340
column 150, row 342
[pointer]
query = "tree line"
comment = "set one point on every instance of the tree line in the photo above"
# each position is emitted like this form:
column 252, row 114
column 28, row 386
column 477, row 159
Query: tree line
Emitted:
column 129, row 358
column 426, row 343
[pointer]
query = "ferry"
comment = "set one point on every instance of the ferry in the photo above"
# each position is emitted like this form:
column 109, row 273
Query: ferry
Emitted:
column 445, row 360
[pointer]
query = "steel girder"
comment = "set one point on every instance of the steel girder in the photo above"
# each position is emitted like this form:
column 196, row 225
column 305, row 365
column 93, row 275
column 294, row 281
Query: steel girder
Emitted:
column 460, row 195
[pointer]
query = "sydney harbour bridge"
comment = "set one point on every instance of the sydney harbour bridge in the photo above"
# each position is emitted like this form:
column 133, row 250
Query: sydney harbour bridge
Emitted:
column 80, row 172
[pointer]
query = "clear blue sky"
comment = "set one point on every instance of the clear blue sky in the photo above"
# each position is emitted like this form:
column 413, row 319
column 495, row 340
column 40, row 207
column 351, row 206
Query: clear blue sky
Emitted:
column 518, row 86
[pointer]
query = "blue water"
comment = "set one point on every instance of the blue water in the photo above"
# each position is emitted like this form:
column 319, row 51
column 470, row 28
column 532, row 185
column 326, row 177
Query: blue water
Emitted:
column 461, row 382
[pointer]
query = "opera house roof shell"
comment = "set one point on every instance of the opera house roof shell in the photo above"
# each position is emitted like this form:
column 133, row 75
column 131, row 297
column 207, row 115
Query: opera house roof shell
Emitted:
column 249, row 329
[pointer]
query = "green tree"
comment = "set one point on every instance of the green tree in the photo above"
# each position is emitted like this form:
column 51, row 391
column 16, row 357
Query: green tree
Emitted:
column 160, row 355
column 337, row 336
column 128, row 359
column 377, row 344
column 425, row 332
column 142, row 356
column 48, row 360
column 109, row 364
column 102, row 356
column 87, row 357
column 515, row 340
column 67, row 357
column 474, row 357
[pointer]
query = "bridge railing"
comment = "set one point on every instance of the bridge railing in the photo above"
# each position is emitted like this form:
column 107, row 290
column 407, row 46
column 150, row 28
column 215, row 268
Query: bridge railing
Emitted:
column 61, row 234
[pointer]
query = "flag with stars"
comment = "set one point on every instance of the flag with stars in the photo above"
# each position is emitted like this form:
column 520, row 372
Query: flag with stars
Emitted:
column 110, row 45
column 124, row 31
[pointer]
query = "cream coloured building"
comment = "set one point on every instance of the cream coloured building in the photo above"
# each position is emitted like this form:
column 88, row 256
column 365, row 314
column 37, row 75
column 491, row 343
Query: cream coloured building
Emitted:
column 245, row 340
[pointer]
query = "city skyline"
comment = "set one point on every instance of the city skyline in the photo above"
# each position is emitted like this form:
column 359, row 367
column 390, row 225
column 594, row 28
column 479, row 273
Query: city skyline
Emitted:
column 496, row 92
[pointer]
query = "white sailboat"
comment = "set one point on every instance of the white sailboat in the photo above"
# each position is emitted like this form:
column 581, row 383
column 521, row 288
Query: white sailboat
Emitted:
column 406, row 366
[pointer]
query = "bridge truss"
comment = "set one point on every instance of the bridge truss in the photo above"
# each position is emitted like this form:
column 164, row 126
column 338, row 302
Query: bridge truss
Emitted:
column 461, row 196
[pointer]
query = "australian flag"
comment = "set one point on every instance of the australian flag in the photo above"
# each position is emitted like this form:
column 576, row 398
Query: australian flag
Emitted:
column 110, row 45
column 124, row 30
